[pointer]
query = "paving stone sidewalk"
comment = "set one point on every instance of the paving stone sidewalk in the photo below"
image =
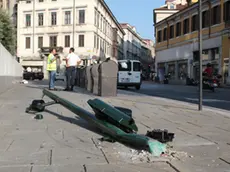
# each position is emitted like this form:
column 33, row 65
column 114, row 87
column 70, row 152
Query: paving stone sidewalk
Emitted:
column 64, row 142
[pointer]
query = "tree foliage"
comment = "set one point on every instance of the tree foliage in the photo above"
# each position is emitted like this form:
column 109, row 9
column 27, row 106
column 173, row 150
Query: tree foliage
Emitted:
column 7, row 32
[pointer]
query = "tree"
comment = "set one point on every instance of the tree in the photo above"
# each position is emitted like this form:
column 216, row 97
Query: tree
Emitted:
column 7, row 32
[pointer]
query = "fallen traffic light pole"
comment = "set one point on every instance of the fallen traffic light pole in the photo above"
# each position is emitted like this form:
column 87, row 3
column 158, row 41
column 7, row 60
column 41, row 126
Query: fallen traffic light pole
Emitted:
column 115, row 123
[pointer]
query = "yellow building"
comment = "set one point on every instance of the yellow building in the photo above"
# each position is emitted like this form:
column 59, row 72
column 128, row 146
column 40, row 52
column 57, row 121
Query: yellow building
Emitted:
column 177, row 49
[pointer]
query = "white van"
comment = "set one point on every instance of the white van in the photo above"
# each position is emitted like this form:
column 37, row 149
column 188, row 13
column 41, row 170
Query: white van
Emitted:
column 129, row 73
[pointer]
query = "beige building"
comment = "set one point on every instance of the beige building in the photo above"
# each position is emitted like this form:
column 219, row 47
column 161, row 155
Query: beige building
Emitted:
column 170, row 7
column 8, row 5
column 89, row 27
column 177, row 45
column 132, row 42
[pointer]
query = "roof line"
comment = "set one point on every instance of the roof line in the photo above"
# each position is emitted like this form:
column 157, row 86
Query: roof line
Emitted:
column 111, row 15
column 177, row 13
column 139, row 37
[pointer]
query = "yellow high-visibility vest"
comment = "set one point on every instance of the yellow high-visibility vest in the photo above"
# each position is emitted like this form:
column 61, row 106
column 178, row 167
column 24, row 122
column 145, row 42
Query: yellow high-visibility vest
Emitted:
column 51, row 66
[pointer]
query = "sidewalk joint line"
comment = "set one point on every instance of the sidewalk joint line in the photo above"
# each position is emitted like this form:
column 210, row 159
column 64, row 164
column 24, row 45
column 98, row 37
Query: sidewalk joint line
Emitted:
column 224, row 161
column 31, row 168
column 207, row 139
column 85, row 169
column 104, row 155
column 9, row 145
column 183, row 131
column 50, row 157
column 172, row 166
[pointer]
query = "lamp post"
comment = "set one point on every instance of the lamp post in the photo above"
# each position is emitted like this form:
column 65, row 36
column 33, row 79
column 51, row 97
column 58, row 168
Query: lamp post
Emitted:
column 200, row 59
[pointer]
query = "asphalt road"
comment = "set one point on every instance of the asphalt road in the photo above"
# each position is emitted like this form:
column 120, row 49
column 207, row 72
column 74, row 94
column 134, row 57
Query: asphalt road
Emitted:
column 218, row 99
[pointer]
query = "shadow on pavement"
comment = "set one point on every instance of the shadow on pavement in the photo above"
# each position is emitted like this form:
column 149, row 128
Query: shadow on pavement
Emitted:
column 77, row 121
column 84, row 124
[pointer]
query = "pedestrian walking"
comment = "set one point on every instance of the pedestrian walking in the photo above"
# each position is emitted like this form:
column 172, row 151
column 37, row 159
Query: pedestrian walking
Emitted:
column 72, row 60
column 51, row 68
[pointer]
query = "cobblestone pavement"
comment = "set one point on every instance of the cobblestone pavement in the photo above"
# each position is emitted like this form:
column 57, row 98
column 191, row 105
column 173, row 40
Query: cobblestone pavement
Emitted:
column 63, row 142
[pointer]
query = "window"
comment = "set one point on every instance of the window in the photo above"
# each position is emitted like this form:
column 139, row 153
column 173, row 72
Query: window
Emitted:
column 100, row 43
column 196, row 56
column 95, row 17
column 40, row 19
column 159, row 36
column 226, row 11
column 81, row 40
column 171, row 33
column 216, row 15
column 95, row 41
column 178, row 29
column 81, row 16
column 101, row 22
column 124, row 66
column 28, row 2
column 27, row 42
column 67, row 40
column 98, row 16
column 53, row 18
column 103, row 26
column 28, row 20
column 40, row 42
column 67, row 17
column 171, row 6
column 136, row 66
column 205, row 19
column 41, row 1
column 186, row 26
column 53, row 41
column 195, row 23
column 165, row 36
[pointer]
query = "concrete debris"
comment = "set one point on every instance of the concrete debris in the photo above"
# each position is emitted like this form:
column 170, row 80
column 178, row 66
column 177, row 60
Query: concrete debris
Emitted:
column 137, row 156
column 24, row 82
column 177, row 155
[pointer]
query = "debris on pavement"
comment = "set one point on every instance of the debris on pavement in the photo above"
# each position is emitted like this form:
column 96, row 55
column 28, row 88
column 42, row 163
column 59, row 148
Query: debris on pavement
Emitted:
column 162, row 136
column 38, row 116
column 24, row 81
column 114, row 122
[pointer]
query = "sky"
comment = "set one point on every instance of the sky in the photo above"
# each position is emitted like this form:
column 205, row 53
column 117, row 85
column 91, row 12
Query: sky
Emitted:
column 138, row 13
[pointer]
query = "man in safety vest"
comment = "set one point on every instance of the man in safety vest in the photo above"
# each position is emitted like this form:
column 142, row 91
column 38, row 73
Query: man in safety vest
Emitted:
column 51, row 68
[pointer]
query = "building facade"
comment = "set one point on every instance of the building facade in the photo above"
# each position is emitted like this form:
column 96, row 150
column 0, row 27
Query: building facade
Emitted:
column 132, row 42
column 87, row 25
column 177, row 50
column 8, row 5
column 148, row 54
column 170, row 7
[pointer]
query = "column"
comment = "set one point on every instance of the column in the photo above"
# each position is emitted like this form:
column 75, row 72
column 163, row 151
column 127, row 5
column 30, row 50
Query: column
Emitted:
column 44, row 68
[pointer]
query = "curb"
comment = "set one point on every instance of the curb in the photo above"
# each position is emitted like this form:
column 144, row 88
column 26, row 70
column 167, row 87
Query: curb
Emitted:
column 205, row 108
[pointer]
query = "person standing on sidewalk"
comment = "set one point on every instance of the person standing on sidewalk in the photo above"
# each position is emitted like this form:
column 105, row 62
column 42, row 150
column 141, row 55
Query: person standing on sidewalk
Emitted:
column 51, row 68
column 72, row 60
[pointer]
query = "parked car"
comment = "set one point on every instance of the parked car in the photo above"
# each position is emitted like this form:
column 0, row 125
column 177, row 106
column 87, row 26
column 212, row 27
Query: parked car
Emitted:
column 33, row 75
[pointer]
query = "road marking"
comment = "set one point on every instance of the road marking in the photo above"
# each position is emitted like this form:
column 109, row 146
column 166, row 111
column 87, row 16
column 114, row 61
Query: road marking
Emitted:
column 208, row 100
